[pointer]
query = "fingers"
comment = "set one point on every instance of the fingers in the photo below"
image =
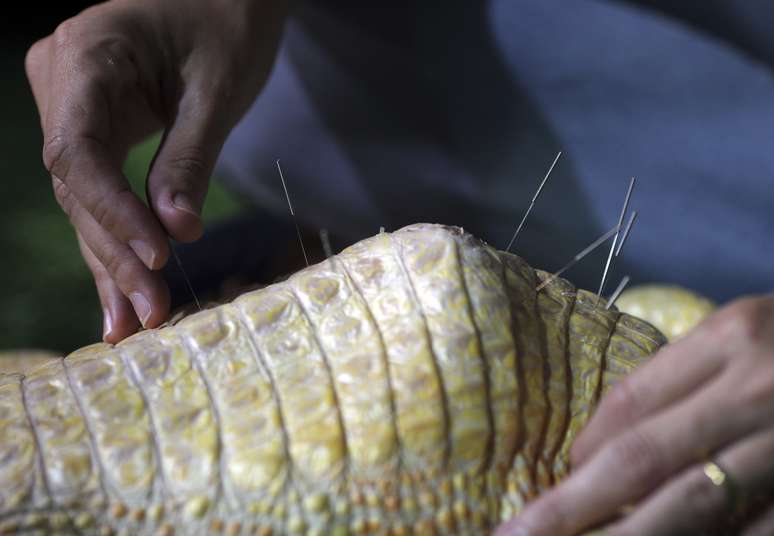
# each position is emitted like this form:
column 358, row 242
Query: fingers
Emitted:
column 88, row 178
column 87, row 87
column 119, row 317
column 81, row 90
column 691, row 502
column 179, row 176
column 736, row 332
column 114, row 226
column 647, row 390
column 115, row 266
column 637, row 461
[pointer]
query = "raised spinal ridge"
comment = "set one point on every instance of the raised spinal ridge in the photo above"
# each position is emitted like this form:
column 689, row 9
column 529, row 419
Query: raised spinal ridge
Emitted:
column 415, row 383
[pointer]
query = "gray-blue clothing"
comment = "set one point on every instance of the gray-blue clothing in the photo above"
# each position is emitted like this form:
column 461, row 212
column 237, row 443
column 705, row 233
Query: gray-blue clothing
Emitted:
column 452, row 113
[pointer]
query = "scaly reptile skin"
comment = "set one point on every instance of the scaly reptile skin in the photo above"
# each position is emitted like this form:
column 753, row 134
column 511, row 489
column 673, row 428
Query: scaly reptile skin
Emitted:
column 415, row 383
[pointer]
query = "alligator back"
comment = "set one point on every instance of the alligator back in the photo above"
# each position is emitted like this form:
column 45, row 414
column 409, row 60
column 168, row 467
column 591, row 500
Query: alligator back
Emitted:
column 414, row 383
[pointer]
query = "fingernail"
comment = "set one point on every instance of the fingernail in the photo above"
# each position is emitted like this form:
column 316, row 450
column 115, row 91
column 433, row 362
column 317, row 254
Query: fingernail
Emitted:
column 107, row 325
column 144, row 251
column 182, row 201
column 141, row 307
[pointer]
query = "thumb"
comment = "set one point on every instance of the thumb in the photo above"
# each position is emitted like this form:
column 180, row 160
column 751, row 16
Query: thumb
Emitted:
column 180, row 172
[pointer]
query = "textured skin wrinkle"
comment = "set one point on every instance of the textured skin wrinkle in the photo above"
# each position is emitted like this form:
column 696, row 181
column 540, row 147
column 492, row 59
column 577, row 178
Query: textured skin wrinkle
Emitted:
column 331, row 377
column 92, row 439
column 195, row 365
column 603, row 364
column 522, row 388
column 534, row 409
column 260, row 361
column 398, row 250
column 120, row 423
column 544, row 370
column 489, row 457
column 551, row 320
column 570, row 387
column 385, row 361
column 590, row 330
column 416, row 383
column 41, row 461
column 159, row 478
column 564, row 421
column 390, row 390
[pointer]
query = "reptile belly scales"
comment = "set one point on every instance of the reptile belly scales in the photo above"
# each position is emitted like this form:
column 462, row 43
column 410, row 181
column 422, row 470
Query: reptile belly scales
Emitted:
column 416, row 383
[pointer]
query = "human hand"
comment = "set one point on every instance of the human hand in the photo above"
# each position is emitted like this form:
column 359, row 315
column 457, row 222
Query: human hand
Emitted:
column 638, row 465
column 111, row 76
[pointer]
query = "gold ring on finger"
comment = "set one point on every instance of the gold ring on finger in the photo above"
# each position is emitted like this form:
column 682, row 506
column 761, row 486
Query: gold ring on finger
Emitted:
column 722, row 479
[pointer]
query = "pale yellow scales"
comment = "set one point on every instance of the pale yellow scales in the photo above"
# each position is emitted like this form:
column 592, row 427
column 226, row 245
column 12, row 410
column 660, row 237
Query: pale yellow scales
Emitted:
column 413, row 384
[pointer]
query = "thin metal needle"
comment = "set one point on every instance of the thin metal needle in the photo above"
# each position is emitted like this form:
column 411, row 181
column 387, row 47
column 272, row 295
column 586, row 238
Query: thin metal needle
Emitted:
column 293, row 214
column 185, row 276
column 594, row 245
column 178, row 262
column 532, row 204
column 615, row 240
column 632, row 219
column 326, row 243
column 621, row 286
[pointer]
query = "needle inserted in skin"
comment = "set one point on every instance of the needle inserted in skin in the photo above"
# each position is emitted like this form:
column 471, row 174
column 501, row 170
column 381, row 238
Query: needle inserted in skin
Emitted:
column 326, row 243
column 177, row 259
column 594, row 245
column 632, row 219
column 185, row 276
column 532, row 203
column 621, row 286
column 615, row 240
column 293, row 214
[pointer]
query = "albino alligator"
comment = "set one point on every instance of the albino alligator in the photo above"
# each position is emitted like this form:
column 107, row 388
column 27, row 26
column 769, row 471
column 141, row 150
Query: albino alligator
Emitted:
column 414, row 383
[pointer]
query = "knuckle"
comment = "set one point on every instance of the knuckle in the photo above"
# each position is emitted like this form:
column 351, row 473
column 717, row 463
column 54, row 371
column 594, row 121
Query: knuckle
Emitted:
column 119, row 264
column 64, row 197
column 623, row 400
column 110, row 257
column 56, row 159
column 34, row 58
column 746, row 321
column 101, row 276
column 105, row 211
column 758, row 391
column 100, row 57
column 66, row 34
column 191, row 162
column 116, row 54
column 548, row 515
column 638, row 456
